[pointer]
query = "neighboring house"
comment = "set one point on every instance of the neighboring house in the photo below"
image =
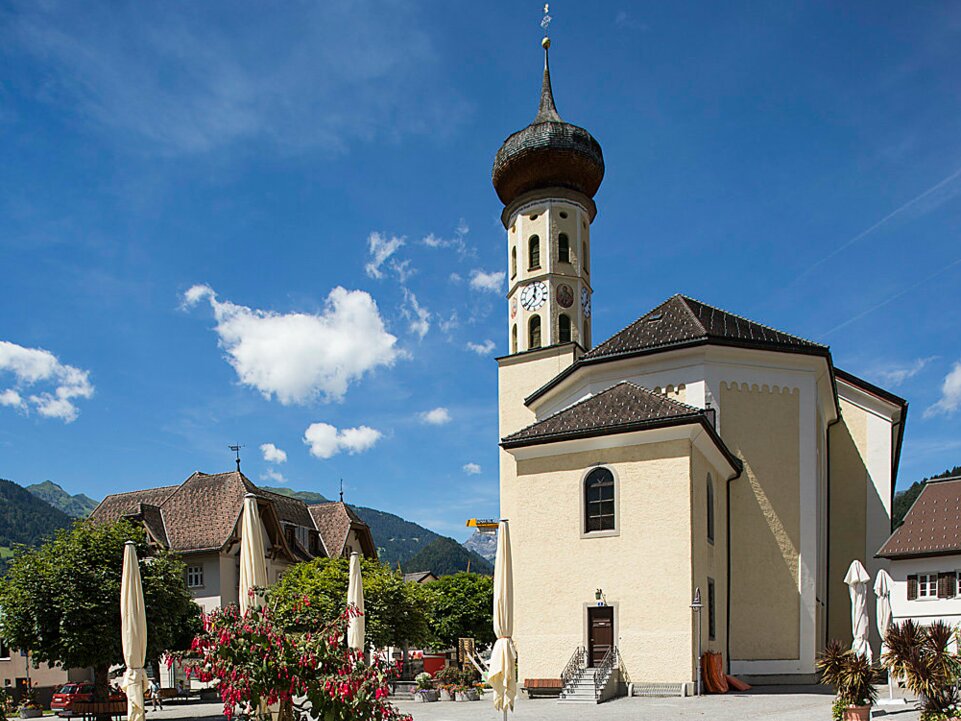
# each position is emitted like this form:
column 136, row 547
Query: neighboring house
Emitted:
column 925, row 556
column 200, row 521
column 694, row 449
column 419, row 577
column 14, row 674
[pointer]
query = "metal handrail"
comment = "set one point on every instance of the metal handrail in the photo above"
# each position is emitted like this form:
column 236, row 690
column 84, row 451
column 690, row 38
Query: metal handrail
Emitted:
column 573, row 666
column 603, row 671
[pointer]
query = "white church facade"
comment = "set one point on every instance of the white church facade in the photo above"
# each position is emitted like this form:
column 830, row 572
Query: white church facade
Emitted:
column 694, row 449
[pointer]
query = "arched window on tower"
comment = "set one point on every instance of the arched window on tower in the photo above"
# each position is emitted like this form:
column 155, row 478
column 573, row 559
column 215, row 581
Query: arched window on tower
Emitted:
column 564, row 328
column 585, row 259
column 514, row 338
column 599, row 501
column 534, row 253
column 513, row 262
column 534, row 333
column 710, row 508
column 563, row 248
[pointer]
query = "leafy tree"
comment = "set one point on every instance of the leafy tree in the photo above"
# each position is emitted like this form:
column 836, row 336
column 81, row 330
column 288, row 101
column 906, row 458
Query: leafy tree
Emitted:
column 394, row 611
column 62, row 600
column 462, row 606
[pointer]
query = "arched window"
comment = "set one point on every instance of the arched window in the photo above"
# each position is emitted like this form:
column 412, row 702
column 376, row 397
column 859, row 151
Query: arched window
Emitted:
column 514, row 338
column 710, row 508
column 563, row 248
column 564, row 328
column 534, row 333
column 585, row 259
column 599, row 501
column 586, row 340
column 534, row 253
column 513, row 262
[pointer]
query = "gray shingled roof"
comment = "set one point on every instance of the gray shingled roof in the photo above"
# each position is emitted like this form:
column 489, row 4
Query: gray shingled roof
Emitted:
column 681, row 320
column 624, row 405
column 932, row 526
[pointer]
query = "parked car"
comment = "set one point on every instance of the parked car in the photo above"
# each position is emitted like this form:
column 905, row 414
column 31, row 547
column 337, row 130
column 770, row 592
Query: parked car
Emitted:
column 62, row 701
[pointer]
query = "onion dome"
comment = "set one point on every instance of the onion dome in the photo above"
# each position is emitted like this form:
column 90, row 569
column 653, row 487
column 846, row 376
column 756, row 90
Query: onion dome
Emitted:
column 548, row 153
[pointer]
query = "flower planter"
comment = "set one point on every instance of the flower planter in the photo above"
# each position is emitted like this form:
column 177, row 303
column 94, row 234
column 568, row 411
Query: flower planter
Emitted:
column 31, row 712
column 470, row 695
column 428, row 695
column 857, row 713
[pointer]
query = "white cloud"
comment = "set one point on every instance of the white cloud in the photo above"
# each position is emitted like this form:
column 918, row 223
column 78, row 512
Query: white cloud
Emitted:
column 450, row 322
column 36, row 368
column 403, row 269
column 271, row 475
column 418, row 316
column 436, row 417
column 472, row 469
column 380, row 248
column 895, row 375
column 458, row 242
column 455, row 278
column 272, row 454
column 299, row 357
column 485, row 348
column 326, row 441
column 492, row 282
column 950, row 400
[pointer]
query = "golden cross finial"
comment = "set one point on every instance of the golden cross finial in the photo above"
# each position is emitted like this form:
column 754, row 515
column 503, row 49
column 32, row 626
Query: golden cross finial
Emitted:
column 546, row 21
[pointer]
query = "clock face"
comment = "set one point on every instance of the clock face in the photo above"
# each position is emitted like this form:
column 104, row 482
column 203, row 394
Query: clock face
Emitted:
column 586, row 302
column 513, row 307
column 533, row 296
column 565, row 296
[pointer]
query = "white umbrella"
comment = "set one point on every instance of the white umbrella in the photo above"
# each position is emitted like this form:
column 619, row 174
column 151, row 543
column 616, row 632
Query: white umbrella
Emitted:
column 355, row 597
column 253, row 562
column 503, row 673
column 133, row 632
column 857, row 579
column 882, row 589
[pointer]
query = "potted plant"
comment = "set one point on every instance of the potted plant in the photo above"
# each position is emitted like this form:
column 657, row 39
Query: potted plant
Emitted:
column 922, row 656
column 30, row 705
column 425, row 690
column 851, row 675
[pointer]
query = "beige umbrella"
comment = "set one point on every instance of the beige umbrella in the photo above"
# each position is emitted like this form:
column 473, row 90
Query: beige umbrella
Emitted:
column 253, row 563
column 882, row 589
column 133, row 631
column 503, row 673
column 857, row 579
column 355, row 597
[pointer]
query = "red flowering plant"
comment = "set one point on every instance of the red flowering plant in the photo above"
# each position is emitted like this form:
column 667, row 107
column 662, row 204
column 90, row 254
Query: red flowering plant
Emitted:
column 257, row 664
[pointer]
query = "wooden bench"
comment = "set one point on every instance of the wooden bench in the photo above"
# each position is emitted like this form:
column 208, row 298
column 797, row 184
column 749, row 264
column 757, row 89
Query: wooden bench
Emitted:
column 548, row 687
column 93, row 709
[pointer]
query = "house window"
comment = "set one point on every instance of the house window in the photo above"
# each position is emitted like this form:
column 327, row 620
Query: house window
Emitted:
column 514, row 338
column 710, row 508
column 564, row 328
column 957, row 588
column 534, row 333
column 4, row 650
column 711, row 614
column 563, row 248
column 928, row 585
column 195, row 576
column 534, row 253
column 513, row 262
column 599, row 500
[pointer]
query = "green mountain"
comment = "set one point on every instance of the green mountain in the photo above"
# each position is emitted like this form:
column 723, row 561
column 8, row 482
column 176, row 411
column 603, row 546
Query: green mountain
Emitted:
column 305, row 496
column 397, row 540
column 904, row 499
column 445, row 556
column 25, row 518
column 78, row 506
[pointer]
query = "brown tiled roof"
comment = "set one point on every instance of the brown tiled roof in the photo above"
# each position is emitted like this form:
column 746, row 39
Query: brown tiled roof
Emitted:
column 932, row 526
column 419, row 577
column 681, row 320
column 622, row 406
column 335, row 520
column 115, row 506
column 202, row 513
column 290, row 510
column 154, row 522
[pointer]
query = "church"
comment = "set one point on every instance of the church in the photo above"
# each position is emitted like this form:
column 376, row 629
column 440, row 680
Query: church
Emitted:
column 693, row 451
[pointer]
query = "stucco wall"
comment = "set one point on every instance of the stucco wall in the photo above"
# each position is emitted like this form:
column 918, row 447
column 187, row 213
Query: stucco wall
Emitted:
column 709, row 559
column 208, row 596
column 644, row 571
column 761, row 426
column 923, row 610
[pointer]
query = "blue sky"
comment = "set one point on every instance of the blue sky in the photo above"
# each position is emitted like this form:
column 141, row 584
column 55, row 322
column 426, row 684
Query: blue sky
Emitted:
column 272, row 223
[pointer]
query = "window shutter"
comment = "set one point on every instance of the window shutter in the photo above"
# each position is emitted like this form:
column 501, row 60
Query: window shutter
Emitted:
column 946, row 582
column 912, row 587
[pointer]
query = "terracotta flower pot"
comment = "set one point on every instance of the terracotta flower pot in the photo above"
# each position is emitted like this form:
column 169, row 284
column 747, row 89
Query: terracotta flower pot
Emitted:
column 857, row 713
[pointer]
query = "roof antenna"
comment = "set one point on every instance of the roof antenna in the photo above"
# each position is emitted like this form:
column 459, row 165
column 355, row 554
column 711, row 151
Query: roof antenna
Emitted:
column 236, row 449
column 341, row 490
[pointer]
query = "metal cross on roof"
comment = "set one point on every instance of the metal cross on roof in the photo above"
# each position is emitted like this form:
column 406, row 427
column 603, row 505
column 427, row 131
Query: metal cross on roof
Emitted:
column 236, row 449
column 546, row 21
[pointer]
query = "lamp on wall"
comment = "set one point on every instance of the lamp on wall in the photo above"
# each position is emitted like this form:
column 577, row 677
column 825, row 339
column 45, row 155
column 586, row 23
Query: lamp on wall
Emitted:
column 599, row 597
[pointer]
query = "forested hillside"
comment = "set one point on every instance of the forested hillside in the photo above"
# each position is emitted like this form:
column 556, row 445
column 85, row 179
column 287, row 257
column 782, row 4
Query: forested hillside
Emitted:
column 24, row 518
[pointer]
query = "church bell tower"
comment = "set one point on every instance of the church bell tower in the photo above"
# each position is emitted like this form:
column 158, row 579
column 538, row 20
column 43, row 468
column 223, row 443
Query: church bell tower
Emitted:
column 546, row 176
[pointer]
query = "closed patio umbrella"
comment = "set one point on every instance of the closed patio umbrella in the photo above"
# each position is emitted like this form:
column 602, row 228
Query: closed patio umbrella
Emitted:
column 253, row 561
column 857, row 580
column 503, row 673
column 882, row 589
column 133, row 631
column 355, row 597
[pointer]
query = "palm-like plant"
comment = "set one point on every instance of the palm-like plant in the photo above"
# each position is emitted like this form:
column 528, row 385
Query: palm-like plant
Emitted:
column 850, row 674
column 922, row 656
